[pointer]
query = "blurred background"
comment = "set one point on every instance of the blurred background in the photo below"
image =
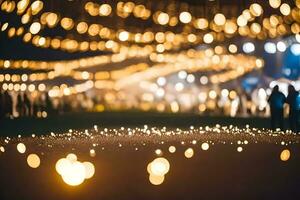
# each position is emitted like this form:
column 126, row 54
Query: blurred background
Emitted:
column 210, row 57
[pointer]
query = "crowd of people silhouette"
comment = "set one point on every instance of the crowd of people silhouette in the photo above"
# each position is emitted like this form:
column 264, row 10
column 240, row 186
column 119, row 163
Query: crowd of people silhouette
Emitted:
column 20, row 105
column 277, row 100
column 24, row 104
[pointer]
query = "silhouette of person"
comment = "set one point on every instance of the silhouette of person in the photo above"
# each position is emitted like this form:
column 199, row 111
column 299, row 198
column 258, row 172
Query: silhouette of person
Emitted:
column 2, row 106
column 20, row 105
column 8, row 108
column 293, row 102
column 276, row 101
column 48, row 103
column 27, row 105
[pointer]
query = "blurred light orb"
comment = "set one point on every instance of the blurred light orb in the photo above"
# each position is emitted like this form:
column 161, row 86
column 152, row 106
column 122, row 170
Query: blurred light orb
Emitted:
column 21, row 148
column 179, row 87
column 270, row 47
column 161, row 81
column 159, row 166
column 248, row 47
column 285, row 155
column 158, row 151
column 208, row 38
column 203, row 80
column 224, row 92
column 239, row 149
column 156, row 180
column 185, row 17
column 89, row 169
column 62, row 165
column 35, row 28
column 72, row 157
column 297, row 37
column 205, row 146
column 33, row 161
column 242, row 21
column 256, row 9
column 172, row 149
column 190, row 78
column 295, row 49
column 182, row 74
column 105, row 10
column 281, row 46
column 163, row 18
column 123, row 36
column 92, row 153
column 275, row 3
column 75, row 174
column 219, row 19
column 285, row 9
column 189, row 153
column 232, row 48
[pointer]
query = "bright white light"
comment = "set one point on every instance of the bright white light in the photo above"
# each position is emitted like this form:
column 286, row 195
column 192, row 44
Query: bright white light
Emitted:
column 297, row 37
column 190, row 78
column 204, row 80
column 161, row 81
column 182, row 74
column 248, row 47
column 160, row 92
column 270, row 47
column 295, row 49
column 179, row 87
column 281, row 46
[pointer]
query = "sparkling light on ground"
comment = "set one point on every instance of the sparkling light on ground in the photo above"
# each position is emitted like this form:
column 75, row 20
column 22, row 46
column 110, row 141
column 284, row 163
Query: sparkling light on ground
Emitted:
column 155, row 157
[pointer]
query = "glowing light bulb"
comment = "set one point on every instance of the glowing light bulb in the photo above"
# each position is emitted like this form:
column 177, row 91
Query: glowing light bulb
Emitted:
column 21, row 148
column 185, row 17
column 33, row 161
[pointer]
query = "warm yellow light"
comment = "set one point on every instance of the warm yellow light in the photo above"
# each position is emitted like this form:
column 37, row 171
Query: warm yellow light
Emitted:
column 285, row 155
column 21, row 148
column 241, row 21
column 239, row 149
column 156, row 180
column 35, row 28
column 172, row 149
column 52, row 19
column 205, row 146
column 185, row 17
column 230, row 27
column 123, row 36
column 201, row 23
column 62, row 166
column 285, row 9
column 33, row 161
column 232, row 48
column 208, row 38
column 75, row 174
column 159, row 166
column 105, row 10
column 67, row 23
column 275, row 3
column 256, row 9
column 189, row 153
column 71, row 157
column 89, row 169
column 219, row 19
column 163, row 18
column 82, row 27
column 255, row 28
column 36, row 7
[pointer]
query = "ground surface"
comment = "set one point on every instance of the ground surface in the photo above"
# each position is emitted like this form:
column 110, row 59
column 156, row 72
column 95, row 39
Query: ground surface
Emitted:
column 122, row 156
column 60, row 123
